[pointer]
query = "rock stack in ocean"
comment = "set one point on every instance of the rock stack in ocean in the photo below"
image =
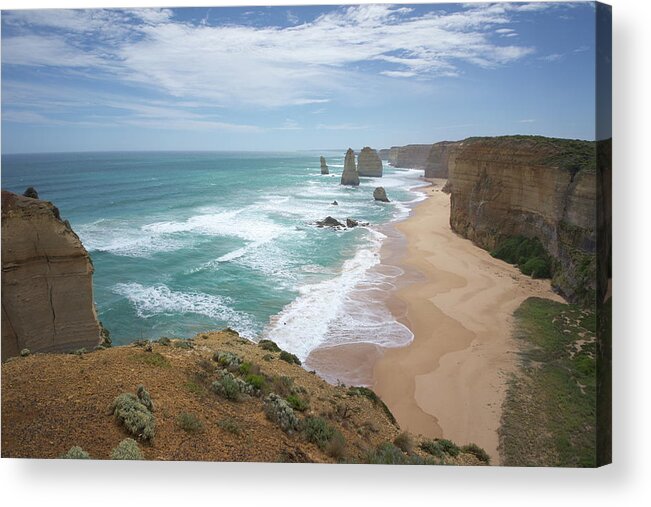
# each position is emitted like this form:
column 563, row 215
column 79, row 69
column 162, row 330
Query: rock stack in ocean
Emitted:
column 324, row 166
column 379, row 194
column 47, row 285
column 350, row 176
column 369, row 163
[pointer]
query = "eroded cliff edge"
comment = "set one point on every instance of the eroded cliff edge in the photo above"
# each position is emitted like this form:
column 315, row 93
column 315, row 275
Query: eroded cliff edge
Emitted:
column 531, row 186
column 47, row 288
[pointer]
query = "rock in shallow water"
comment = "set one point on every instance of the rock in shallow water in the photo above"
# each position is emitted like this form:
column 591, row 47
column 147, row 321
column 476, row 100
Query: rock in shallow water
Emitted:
column 329, row 222
column 324, row 166
column 379, row 194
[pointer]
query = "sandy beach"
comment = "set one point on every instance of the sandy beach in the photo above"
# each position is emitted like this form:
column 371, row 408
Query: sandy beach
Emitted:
column 458, row 301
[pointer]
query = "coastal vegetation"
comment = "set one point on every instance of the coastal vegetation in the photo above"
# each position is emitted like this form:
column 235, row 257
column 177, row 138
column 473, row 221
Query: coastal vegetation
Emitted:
column 549, row 415
column 293, row 416
column 528, row 254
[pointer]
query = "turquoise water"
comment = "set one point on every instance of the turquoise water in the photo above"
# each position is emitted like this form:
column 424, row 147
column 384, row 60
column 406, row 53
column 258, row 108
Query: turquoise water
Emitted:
column 188, row 242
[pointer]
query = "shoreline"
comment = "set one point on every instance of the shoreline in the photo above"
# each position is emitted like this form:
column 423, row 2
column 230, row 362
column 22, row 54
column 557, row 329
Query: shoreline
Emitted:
column 458, row 301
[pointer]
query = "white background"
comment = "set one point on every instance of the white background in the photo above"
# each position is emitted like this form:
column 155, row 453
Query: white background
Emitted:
column 626, row 482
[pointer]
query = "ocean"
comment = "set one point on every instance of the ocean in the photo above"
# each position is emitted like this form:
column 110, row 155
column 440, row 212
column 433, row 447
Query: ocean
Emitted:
column 189, row 242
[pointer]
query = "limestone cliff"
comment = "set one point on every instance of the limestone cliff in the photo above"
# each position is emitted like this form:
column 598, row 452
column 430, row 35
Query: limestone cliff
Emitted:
column 349, row 176
column 535, row 187
column 47, row 287
column 369, row 163
column 413, row 155
column 324, row 166
column 384, row 154
column 436, row 165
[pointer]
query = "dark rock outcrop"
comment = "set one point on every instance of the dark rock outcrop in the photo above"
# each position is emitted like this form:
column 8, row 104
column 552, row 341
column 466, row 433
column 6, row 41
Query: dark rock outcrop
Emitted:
column 31, row 193
column 436, row 165
column 369, row 163
column 350, row 223
column 47, row 287
column 535, row 187
column 412, row 156
column 324, row 166
column 335, row 203
column 329, row 222
column 379, row 194
column 349, row 176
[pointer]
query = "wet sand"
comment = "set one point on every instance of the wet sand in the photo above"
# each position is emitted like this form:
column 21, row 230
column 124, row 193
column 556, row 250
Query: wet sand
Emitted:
column 458, row 301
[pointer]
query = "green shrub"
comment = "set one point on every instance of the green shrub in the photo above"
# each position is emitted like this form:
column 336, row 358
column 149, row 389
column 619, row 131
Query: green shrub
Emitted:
column 336, row 446
column 432, row 447
column 537, row 268
column 134, row 416
column 227, row 360
column 268, row 345
column 164, row 341
column 318, row 431
column 127, row 449
column 227, row 387
column 449, row 447
column 297, row 403
column 389, row 454
column 278, row 411
column 527, row 253
column 256, row 381
column 404, row 442
column 75, row 452
column 282, row 385
column 189, row 422
column 290, row 358
column 25, row 352
column 245, row 368
column 478, row 452
column 230, row 425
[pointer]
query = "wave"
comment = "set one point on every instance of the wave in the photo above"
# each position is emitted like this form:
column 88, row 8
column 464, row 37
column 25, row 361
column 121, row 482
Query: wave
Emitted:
column 158, row 299
column 339, row 310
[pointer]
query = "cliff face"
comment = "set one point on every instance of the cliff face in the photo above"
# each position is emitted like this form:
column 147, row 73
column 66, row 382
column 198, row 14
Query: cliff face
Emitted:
column 535, row 187
column 349, row 175
column 384, row 154
column 413, row 155
column 369, row 163
column 47, row 289
column 436, row 165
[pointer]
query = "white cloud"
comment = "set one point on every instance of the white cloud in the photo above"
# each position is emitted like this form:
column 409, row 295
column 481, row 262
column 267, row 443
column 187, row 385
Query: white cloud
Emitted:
column 270, row 66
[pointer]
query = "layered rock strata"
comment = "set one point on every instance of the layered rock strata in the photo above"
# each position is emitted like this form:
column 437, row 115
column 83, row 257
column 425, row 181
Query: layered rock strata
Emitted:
column 369, row 163
column 535, row 187
column 47, row 286
column 413, row 156
column 436, row 165
column 350, row 176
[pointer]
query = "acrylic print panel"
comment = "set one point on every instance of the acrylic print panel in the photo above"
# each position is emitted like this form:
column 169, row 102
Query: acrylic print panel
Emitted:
column 337, row 234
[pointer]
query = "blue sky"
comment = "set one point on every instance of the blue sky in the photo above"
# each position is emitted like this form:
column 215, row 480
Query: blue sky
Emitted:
column 293, row 78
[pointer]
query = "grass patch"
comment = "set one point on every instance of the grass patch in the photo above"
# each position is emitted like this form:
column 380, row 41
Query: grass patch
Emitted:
column 549, row 414
column 388, row 454
column 404, row 442
column 440, row 447
column 297, row 403
column 151, row 359
column 194, row 387
column 231, row 425
column 268, row 345
column 528, row 254
column 189, row 422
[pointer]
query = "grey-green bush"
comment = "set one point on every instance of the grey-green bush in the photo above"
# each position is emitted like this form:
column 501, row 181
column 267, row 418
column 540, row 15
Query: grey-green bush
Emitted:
column 189, row 422
column 127, row 449
column 278, row 411
column 134, row 416
column 144, row 397
column 75, row 452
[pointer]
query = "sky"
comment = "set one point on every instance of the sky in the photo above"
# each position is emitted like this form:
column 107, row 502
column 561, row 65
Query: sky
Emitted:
column 294, row 78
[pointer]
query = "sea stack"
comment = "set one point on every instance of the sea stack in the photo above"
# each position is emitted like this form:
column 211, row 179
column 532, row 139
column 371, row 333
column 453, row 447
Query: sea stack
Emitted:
column 324, row 166
column 369, row 163
column 379, row 194
column 47, row 284
column 350, row 176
